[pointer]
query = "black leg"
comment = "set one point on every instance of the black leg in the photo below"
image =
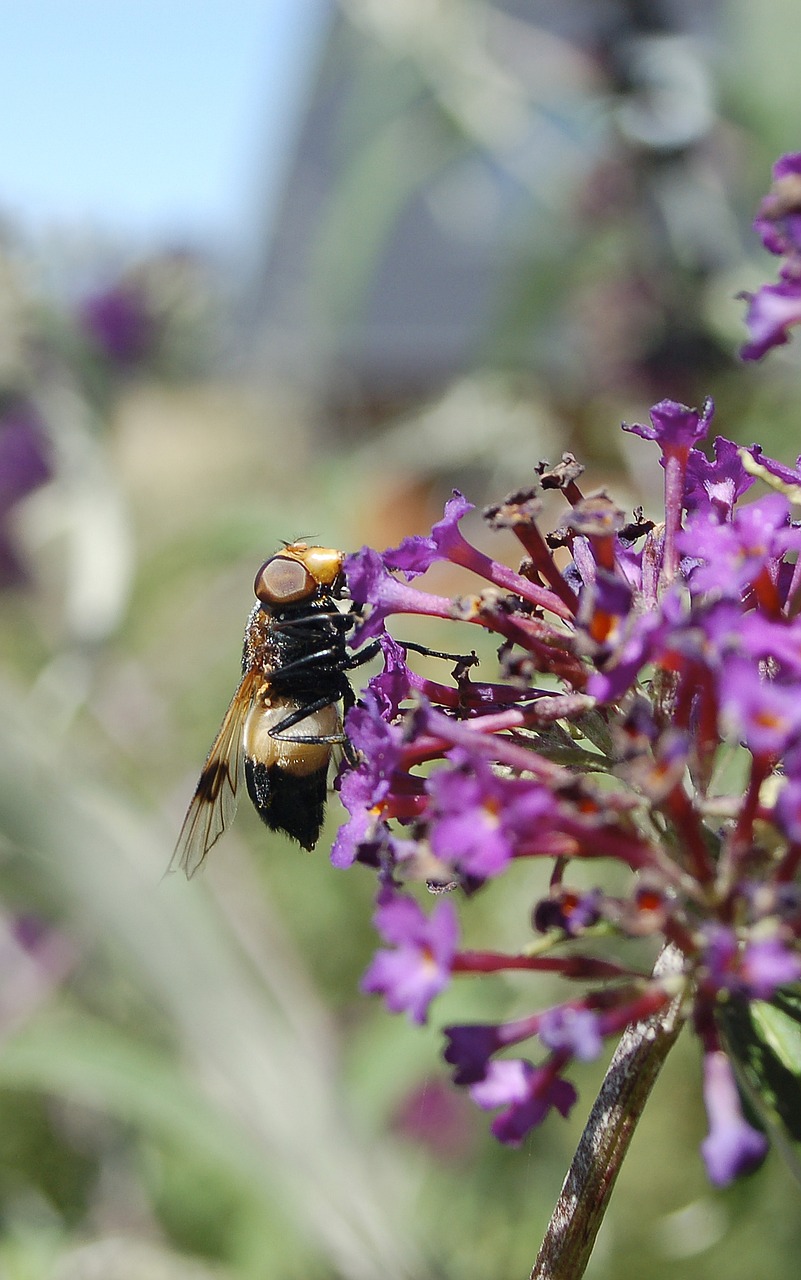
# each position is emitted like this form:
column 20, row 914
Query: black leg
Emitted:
column 316, row 659
column 469, row 658
column 278, row 731
column 364, row 655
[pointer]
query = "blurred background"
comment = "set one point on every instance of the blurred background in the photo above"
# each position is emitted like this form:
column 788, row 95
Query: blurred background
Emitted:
column 282, row 268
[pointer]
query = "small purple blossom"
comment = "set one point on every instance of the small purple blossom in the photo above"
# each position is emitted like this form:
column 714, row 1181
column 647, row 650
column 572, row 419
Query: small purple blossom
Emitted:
column 767, row 964
column 25, row 465
column 416, row 554
column 753, row 969
column 394, row 684
column 716, row 486
column 775, row 308
column 772, row 312
column 478, row 819
column 778, row 220
column 120, row 322
column 364, row 789
column 577, row 1032
column 370, row 582
column 785, row 475
column 437, row 1119
column 469, row 1049
column 419, row 965
column 729, row 557
column 526, row 1092
column 675, row 427
column 569, row 911
column 767, row 718
column 732, row 1147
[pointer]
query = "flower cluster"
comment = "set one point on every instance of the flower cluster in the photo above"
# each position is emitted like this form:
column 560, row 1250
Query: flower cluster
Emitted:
column 775, row 307
column 647, row 713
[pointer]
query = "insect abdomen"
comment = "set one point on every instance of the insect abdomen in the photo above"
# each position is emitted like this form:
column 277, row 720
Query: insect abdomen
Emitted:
column 288, row 780
column 289, row 802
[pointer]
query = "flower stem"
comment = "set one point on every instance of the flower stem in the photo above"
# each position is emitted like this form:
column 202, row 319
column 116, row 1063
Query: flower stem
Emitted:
column 586, row 1191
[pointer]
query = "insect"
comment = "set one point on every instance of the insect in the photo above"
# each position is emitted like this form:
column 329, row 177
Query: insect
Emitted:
column 284, row 719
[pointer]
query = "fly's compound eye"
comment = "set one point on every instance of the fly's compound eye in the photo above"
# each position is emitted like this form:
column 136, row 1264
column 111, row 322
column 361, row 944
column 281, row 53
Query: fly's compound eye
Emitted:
column 283, row 581
column 325, row 565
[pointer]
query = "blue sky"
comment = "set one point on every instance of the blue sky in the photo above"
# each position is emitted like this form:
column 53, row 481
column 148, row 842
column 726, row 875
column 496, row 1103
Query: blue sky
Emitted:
column 158, row 120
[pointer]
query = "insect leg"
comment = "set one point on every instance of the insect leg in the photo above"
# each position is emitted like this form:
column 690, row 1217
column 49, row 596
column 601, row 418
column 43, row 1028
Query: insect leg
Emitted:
column 315, row 659
column 470, row 659
column 364, row 655
column 278, row 731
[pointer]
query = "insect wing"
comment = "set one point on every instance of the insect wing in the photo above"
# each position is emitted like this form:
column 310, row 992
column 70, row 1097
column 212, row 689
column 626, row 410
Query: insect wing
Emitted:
column 214, row 803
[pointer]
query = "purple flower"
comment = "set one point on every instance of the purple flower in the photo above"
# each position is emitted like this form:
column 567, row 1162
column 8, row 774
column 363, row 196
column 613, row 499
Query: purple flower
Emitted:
column 436, row 1118
column 772, row 311
column 689, row 632
column 731, row 556
column 732, row 1147
column 573, row 1031
column 721, row 958
column 571, row 912
column 378, row 742
column 674, row 427
column 643, row 636
column 477, row 819
column 119, row 322
column 25, row 465
column 778, row 220
column 364, row 788
column 767, row 963
column 766, row 713
column 527, row 1092
column 753, row 969
column 774, row 308
column 470, row 1048
column 778, row 470
column 365, row 831
column 419, row 966
column 394, row 684
column 716, row 485
column 371, row 583
column 416, row 554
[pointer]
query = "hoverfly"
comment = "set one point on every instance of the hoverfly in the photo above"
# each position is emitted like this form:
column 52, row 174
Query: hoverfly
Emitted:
column 284, row 719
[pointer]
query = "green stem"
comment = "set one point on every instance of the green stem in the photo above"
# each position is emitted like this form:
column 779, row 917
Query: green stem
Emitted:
column 585, row 1194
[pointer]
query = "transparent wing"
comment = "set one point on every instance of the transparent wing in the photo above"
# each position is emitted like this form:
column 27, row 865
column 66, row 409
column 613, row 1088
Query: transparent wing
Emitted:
column 213, row 805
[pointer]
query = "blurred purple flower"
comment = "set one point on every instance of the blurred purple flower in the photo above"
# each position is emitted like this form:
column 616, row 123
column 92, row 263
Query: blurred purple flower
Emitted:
column 778, row 220
column 25, row 465
column 120, row 322
column 419, row 966
column 732, row 555
column 575, row 1031
column 526, row 1092
column 753, row 970
column 774, row 308
column 437, row 1118
column 732, row 1147
column 772, row 312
